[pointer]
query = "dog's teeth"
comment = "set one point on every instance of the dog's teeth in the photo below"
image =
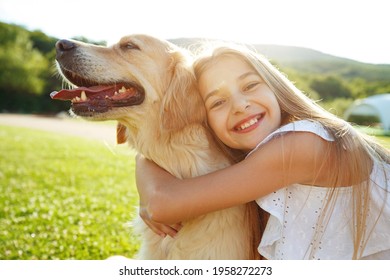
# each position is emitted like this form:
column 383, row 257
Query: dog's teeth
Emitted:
column 76, row 99
column 116, row 93
column 83, row 96
column 122, row 90
column 107, row 97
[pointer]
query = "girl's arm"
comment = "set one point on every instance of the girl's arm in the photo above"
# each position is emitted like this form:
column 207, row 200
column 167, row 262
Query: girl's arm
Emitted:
column 293, row 158
column 145, row 170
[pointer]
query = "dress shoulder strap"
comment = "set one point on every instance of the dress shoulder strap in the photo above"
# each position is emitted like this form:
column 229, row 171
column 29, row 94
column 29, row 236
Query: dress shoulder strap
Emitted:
column 298, row 126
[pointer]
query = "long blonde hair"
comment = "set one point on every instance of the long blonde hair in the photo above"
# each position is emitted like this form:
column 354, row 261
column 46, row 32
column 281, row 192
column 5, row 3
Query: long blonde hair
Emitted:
column 353, row 152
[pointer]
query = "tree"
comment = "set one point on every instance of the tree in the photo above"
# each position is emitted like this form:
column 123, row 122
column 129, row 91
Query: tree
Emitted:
column 330, row 87
column 25, row 75
column 21, row 66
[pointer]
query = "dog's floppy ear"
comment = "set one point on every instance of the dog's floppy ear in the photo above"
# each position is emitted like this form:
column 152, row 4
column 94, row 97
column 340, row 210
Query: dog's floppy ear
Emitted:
column 121, row 136
column 182, row 103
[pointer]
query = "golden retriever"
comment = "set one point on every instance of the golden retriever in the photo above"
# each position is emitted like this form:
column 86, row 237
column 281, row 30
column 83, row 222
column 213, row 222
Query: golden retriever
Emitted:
column 148, row 86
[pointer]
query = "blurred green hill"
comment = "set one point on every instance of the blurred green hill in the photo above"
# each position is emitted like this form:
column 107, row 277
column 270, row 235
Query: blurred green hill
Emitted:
column 28, row 74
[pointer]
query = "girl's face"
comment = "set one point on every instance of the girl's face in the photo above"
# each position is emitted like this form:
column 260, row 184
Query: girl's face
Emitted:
column 241, row 109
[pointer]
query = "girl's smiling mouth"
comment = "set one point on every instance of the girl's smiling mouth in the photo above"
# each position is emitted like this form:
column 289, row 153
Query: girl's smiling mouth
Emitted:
column 248, row 124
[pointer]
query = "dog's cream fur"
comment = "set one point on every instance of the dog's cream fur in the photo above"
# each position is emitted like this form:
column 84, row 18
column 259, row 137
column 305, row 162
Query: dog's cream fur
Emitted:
column 169, row 129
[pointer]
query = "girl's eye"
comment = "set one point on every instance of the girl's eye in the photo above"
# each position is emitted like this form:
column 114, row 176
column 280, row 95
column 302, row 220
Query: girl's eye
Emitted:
column 251, row 86
column 217, row 103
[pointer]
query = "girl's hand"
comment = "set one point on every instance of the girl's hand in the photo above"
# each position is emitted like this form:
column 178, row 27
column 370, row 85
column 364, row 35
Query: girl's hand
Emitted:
column 148, row 175
column 158, row 228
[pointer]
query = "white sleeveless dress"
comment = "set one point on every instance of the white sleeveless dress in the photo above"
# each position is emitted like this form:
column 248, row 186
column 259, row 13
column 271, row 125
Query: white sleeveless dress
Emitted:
column 294, row 213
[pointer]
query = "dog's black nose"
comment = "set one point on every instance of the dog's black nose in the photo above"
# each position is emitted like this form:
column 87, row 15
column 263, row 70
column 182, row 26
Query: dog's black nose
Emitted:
column 64, row 46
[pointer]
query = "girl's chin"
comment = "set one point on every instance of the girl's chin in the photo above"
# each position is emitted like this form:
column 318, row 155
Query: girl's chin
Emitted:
column 247, row 147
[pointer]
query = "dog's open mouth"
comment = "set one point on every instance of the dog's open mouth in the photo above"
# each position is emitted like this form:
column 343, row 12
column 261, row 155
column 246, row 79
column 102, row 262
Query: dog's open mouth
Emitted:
column 89, row 99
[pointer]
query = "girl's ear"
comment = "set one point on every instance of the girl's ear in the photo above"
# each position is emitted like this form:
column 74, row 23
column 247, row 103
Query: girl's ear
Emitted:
column 182, row 104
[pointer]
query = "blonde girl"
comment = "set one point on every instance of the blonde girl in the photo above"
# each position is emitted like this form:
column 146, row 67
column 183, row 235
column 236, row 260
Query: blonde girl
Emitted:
column 324, row 184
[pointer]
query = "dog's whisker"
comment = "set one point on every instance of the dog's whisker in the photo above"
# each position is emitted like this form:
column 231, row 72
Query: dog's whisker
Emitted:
column 109, row 147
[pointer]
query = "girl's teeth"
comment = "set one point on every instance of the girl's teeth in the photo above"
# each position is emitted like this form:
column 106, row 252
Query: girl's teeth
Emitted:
column 248, row 124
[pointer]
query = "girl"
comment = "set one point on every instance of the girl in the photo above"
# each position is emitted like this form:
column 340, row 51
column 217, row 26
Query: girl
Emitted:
column 324, row 184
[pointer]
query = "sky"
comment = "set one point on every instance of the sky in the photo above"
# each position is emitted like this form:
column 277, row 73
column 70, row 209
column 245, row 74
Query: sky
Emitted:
column 357, row 30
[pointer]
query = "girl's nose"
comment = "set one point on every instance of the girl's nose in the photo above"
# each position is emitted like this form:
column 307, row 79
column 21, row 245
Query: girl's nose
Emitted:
column 240, row 104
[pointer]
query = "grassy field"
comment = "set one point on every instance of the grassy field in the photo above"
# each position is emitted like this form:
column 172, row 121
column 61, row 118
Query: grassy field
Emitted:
column 64, row 197
column 384, row 140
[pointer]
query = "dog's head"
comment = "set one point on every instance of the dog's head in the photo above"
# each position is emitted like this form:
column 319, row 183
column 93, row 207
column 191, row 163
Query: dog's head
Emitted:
column 136, row 78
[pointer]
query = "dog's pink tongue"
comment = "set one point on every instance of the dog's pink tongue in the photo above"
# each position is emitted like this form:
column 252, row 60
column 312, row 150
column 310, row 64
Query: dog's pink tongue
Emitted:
column 69, row 94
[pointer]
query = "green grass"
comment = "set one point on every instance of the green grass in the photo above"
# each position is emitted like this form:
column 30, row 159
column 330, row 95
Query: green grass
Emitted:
column 64, row 197
column 382, row 138
column 384, row 141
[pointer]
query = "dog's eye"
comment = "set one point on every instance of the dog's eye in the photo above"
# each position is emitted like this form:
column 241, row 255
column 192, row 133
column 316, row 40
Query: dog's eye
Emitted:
column 130, row 46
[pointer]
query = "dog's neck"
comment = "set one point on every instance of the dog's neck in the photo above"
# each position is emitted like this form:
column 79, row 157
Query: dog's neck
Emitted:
column 186, row 153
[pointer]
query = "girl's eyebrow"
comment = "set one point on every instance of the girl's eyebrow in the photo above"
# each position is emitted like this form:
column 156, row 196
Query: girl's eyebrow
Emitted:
column 210, row 94
column 241, row 77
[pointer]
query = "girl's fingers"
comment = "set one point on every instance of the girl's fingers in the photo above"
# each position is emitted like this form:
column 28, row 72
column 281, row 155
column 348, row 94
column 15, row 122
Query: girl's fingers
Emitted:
column 177, row 227
column 163, row 230
column 158, row 228
column 155, row 229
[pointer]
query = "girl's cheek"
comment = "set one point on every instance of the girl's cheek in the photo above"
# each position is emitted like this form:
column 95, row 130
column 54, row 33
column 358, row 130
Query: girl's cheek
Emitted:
column 213, row 123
